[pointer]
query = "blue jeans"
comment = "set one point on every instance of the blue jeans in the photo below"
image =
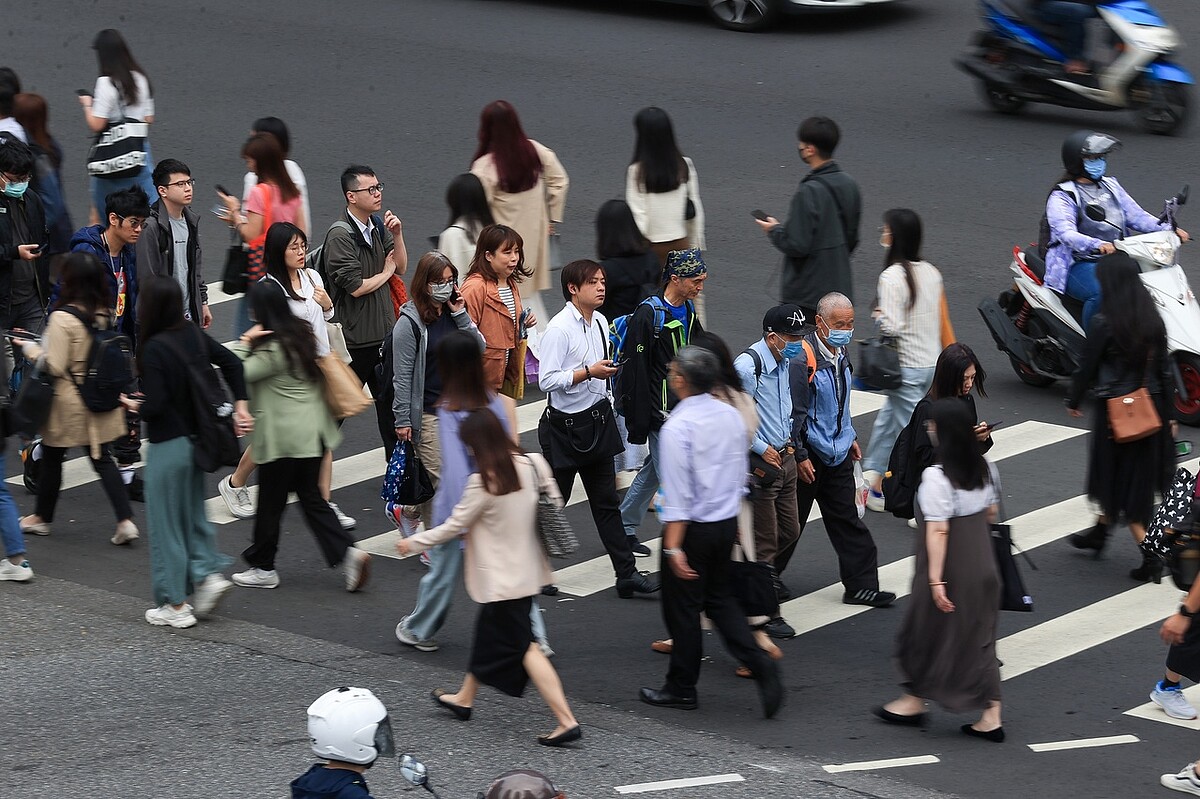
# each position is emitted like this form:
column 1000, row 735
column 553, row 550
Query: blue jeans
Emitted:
column 894, row 415
column 1071, row 21
column 642, row 490
column 10, row 527
column 1083, row 285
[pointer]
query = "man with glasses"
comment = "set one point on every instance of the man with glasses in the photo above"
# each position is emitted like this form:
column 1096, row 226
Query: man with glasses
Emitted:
column 24, row 277
column 361, row 253
column 170, row 244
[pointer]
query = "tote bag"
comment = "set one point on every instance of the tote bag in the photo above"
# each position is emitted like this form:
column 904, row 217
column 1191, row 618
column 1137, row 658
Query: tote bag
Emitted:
column 343, row 392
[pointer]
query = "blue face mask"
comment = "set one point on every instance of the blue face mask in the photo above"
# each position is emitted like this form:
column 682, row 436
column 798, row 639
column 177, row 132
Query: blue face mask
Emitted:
column 15, row 189
column 793, row 349
column 1095, row 167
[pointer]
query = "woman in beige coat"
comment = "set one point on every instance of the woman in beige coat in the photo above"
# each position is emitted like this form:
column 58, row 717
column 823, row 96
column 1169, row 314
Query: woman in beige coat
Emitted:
column 84, row 300
column 505, row 568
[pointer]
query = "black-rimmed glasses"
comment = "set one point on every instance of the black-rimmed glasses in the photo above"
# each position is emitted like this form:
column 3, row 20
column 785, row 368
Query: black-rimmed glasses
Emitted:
column 376, row 189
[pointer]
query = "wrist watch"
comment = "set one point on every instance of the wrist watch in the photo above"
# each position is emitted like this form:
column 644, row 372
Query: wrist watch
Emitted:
column 670, row 553
column 1183, row 611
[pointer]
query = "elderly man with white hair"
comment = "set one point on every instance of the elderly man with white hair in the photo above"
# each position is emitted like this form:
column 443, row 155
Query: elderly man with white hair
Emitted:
column 826, row 449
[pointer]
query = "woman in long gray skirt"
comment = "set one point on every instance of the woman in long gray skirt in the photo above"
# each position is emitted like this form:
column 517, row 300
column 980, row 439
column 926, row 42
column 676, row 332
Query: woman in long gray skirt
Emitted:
column 946, row 648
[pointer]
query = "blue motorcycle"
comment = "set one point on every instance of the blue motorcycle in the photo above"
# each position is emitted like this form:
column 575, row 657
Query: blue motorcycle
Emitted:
column 1018, row 59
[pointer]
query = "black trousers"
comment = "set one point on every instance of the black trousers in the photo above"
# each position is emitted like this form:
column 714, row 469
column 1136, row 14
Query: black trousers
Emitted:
column 833, row 491
column 707, row 546
column 363, row 361
column 275, row 481
column 50, row 482
column 600, row 485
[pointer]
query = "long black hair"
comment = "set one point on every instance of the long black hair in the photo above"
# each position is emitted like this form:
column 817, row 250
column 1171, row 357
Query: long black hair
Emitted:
column 467, row 200
column 460, row 363
column 1137, row 329
column 159, row 309
column 905, row 227
column 279, row 238
column 952, row 364
column 118, row 64
column 957, row 447
column 660, row 164
column 84, row 284
column 617, row 234
column 270, row 307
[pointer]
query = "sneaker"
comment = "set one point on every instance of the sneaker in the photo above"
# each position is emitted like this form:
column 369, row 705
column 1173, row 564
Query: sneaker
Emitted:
column 639, row 549
column 168, row 616
column 40, row 528
column 406, row 518
column 912, row 524
column 237, row 499
column 405, row 636
column 209, row 593
column 256, row 578
column 357, row 567
column 347, row 522
column 1173, row 702
column 1185, row 781
column 126, row 532
column 869, row 597
column 778, row 628
column 17, row 572
column 875, row 501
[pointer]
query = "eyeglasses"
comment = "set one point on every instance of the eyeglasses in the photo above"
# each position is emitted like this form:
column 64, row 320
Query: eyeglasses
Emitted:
column 181, row 183
column 134, row 222
column 15, row 178
column 374, row 190
column 298, row 247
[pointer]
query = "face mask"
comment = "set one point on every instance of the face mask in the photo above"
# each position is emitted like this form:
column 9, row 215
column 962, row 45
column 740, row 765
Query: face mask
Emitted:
column 441, row 292
column 839, row 338
column 793, row 349
column 14, row 189
column 1095, row 167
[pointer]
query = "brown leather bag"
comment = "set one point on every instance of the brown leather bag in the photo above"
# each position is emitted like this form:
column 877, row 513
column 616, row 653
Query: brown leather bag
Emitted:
column 1133, row 416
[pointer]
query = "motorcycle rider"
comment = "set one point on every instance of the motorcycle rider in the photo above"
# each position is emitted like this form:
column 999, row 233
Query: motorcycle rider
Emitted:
column 349, row 728
column 1069, row 18
column 1077, row 241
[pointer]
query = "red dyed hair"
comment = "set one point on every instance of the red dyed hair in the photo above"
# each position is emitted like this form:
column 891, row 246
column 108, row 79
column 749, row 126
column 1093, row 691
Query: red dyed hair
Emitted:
column 500, row 134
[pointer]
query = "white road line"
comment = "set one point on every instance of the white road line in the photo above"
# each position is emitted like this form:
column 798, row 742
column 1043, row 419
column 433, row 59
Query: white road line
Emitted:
column 1008, row 442
column 686, row 782
column 873, row 765
column 216, row 296
column 1085, row 743
column 1152, row 712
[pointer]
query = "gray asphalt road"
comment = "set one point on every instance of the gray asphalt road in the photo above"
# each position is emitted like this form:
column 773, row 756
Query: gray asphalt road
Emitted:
column 399, row 85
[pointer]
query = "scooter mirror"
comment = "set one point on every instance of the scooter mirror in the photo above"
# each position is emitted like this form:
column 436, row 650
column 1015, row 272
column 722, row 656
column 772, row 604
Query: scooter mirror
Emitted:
column 1095, row 212
column 1181, row 198
column 413, row 770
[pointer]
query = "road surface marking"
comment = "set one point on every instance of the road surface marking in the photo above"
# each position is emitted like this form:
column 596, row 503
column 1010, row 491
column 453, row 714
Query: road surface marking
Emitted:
column 873, row 765
column 1085, row 743
column 1152, row 712
column 687, row 782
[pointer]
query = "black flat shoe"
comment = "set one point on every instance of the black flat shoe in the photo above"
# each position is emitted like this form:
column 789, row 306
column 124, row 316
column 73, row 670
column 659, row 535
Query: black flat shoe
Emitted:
column 460, row 712
column 564, row 737
column 637, row 584
column 1093, row 539
column 653, row 696
column 996, row 736
column 915, row 720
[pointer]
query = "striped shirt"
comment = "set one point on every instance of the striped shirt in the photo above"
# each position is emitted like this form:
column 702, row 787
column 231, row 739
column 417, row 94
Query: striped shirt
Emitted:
column 919, row 329
column 506, row 297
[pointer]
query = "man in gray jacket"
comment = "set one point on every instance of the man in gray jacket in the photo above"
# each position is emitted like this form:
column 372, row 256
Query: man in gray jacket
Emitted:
column 822, row 224
column 170, row 244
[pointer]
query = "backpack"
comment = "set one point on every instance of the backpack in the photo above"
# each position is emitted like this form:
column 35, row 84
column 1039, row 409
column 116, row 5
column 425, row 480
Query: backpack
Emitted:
column 385, row 369
column 1045, row 235
column 315, row 258
column 215, row 442
column 618, row 328
column 899, row 493
column 109, row 366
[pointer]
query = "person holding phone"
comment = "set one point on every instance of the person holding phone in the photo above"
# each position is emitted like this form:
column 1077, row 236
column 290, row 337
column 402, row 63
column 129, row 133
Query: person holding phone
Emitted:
column 24, row 278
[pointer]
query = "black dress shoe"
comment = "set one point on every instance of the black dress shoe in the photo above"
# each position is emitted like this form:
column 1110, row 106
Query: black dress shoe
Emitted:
column 915, row 720
column 770, row 687
column 638, row 549
column 1151, row 570
column 460, row 712
column 637, row 584
column 1093, row 539
column 550, row 590
column 996, row 736
column 778, row 628
column 782, row 592
column 662, row 698
column 564, row 737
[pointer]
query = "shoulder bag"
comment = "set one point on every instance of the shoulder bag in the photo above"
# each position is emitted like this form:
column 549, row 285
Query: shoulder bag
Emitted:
column 119, row 150
column 237, row 262
column 1133, row 416
column 879, row 362
column 1013, row 594
column 571, row 440
column 553, row 529
column 31, row 409
column 343, row 391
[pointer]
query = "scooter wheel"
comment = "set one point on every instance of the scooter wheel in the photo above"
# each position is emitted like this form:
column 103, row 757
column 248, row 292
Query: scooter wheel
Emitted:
column 1166, row 108
column 1187, row 406
column 1001, row 100
column 1028, row 376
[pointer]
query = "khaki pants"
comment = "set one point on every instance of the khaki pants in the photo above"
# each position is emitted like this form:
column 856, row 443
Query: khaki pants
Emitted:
column 430, row 453
column 776, row 517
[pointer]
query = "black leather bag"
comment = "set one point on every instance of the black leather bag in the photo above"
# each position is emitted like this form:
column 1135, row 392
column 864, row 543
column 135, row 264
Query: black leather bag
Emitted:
column 879, row 363
column 753, row 587
column 416, row 487
column 31, row 409
column 570, row 440
column 1013, row 595
column 234, row 279
column 762, row 473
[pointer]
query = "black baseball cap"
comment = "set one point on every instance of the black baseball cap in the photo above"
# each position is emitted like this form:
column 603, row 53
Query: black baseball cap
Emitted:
column 786, row 319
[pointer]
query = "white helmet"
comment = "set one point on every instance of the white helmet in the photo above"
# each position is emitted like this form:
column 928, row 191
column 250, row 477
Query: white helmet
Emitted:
column 351, row 725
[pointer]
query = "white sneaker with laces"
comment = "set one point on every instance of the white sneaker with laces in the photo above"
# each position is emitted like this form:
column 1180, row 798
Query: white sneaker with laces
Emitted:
column 256, row 578
column 237, row 499
column 357, row 567
column 126, row 532
column 1173, row 702
column 406, row 637
column 1185, row 781
column 17, row 572
column 209, row 593
column 347, row 522
column 166, row 615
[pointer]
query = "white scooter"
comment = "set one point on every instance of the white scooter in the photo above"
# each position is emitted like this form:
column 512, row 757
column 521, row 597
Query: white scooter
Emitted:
column 1040, row 329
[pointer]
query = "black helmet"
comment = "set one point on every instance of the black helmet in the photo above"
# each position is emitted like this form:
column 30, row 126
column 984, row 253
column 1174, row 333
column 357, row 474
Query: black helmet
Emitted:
column 1085, row 144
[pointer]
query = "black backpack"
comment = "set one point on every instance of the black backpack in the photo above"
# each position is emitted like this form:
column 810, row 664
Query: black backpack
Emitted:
column 215, row 443
column 1044, row 233
column 385, row 369
column 899, row 484
column 109, row 366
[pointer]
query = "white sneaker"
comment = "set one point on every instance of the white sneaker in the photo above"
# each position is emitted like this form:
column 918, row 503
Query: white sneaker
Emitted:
column 1173, row 702
column 875, row 501
column 168, row 616
column 405, row 636
column 237, row 499
column 17, row 572
column 256, row 578
column 40, row 528
column 912, row 524
column 347, row 522
column 126, row 532
column 1185, row 781
column 209, row 593
column 357, row 567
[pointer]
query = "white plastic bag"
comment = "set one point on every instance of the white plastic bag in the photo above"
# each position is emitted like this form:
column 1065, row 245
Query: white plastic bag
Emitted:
column 860, row 490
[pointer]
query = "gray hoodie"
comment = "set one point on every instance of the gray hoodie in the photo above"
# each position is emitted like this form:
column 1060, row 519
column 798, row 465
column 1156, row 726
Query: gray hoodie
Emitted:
column 409, row 344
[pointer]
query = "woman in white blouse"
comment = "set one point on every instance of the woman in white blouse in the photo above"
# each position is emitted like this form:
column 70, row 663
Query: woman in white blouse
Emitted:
column 469, row 214
column 909, row 308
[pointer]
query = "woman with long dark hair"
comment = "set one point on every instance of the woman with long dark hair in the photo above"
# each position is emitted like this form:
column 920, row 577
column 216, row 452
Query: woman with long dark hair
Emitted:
column 526, row 188
column 493, row 299
column 122, row 92
column 184, row 558
column 275, row 198
column 31, row 111
column 84, row 301
column 631, row 269
column 469, row 214
column 908, row 308
column 292, row 431
column 662, row 188
column 274, row 126
column 946, row 647
column 1126, row 350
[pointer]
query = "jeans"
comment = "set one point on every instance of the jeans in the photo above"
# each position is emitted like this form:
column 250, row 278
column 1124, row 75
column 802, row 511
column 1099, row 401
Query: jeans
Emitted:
column 642, row 490
column 1071, row 21
column 1083, row 285
column 436, row 590
column 10, row 527
column 241, row 319
column 894, row 415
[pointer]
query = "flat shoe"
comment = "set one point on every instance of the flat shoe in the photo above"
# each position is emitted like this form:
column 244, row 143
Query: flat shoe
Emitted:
column 460, row 712
column 564, row 737
column 743, row 672
column 914, row 720
column 664, row 646
column 996, row 736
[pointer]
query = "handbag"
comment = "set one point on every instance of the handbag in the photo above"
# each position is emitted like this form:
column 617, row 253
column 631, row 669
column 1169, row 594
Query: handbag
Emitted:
column 1133, row 416
column 753, row 587
column 515, row 388
column 406, row 481
column 237, row 262
column 569, row 440
column 762, row 473
column 879, row 363
column 553, row 529
column 119, row 150
column 31, row 408
column 337, row 341
column 1013, row 595
column 343, row 391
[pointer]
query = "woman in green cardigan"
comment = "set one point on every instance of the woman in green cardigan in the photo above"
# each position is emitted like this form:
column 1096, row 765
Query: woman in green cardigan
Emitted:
column 292, row 430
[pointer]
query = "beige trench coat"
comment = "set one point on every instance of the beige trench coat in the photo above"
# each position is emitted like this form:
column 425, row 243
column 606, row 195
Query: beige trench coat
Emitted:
column 529, row 212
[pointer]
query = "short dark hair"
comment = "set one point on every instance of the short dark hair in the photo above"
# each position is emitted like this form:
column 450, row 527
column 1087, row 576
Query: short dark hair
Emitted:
column 577, row 273
column 15, row 156
column 127, row 202
column 698, row 367
column 274, row 126
column 10, row 87
column 167, row 167
column 820, row 132
column 351, row 174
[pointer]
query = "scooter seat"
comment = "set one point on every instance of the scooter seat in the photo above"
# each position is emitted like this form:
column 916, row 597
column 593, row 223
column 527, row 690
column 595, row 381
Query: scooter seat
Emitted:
column 1035, row 264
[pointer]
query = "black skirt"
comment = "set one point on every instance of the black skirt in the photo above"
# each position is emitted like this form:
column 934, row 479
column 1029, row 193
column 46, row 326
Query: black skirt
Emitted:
column 503, row 633
column 1184, row 658
column 1124, row 479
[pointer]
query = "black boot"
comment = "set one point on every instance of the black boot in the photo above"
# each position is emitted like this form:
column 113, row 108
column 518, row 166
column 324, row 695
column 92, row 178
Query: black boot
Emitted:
column 1151, row 570
column 1094, row 538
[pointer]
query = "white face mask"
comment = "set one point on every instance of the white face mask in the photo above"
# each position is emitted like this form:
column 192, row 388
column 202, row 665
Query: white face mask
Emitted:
column 441, row 292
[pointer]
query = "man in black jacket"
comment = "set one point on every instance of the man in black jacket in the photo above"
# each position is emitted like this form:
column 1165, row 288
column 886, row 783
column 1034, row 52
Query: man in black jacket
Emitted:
column 822, row 224
column 170, row 244
column 24, row 276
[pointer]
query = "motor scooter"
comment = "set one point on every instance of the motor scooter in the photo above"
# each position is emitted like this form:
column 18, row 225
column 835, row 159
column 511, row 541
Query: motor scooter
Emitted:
column 1018, row 60
column 1041, row 332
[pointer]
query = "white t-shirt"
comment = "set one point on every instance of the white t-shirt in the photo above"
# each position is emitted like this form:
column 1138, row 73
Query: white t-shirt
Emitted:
column 297, row 175
column 940, row 501
column 107, row 101
column 10, row 125
column 308, row 309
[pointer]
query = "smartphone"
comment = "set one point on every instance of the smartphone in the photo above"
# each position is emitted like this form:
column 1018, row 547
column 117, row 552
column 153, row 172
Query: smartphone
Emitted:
column 221, row 190
column 83, row 92
column 760, row 215
column 455, row 297
column 993, row 425
column 1183, row 448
